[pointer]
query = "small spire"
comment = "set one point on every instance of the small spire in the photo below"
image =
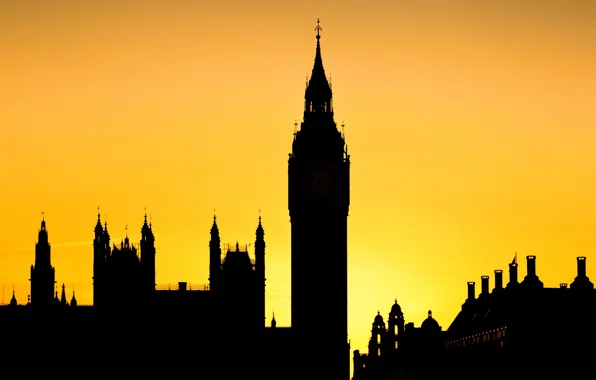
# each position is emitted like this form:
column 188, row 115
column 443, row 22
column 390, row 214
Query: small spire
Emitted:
column 73, row 300
column 13, row 300
column 42, row 217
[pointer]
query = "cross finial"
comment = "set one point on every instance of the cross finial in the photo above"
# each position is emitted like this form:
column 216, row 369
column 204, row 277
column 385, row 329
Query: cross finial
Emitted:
column 318, row 29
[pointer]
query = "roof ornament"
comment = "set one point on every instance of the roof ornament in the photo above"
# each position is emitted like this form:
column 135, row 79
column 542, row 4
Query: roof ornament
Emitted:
column 318, row 29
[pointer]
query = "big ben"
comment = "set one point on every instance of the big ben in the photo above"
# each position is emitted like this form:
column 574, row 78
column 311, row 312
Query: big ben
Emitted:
column 319, row 198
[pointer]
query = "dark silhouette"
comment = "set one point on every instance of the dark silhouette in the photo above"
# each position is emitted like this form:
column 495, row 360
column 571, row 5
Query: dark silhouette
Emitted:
column 521, row 331
column 216, row 331
column 319, row 199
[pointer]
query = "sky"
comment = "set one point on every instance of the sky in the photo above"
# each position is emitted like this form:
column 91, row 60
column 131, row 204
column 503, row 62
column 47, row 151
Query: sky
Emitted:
column 470, row 126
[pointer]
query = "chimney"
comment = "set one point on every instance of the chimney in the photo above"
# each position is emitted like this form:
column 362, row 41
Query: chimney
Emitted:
column 484, row 289
column 513, row 273
column 471, row 291
column 531, row 262
column 498, row 279
column 581, row 266
column 182, row 286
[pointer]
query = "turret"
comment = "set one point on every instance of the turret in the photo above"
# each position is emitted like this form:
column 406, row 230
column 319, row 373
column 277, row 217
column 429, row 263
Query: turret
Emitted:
column 260, row 273
column 214, row 258
column 147, row 246
column 42, row 272
column 377, row 334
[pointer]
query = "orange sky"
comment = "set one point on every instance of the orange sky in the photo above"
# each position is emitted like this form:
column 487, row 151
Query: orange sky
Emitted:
column 470, row 128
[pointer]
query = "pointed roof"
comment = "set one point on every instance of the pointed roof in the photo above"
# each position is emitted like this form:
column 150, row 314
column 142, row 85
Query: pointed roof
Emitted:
column 260, row 230
column 318, row 92
column 273, row 321
column 63, row 295
column 214, row 228
column 98, row 229
column 73, row 300
column 13, row 300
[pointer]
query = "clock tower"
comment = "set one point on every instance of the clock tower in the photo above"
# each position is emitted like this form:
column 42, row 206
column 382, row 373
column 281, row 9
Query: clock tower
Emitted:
column 319, row 198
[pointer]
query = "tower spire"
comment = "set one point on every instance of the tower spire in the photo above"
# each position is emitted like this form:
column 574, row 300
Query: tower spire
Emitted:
column 318, row 92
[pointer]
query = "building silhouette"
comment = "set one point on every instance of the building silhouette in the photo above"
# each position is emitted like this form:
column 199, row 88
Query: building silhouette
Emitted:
column 399, row 350
column 319, row 199
column 218, row 330
column 522, row 330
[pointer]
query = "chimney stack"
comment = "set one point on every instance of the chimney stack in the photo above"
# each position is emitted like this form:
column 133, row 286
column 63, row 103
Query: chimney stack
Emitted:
column 498, row 279
column 471, row 291
column 531, row 260
column 513, row 273
column 484, row 285
column 581, row 266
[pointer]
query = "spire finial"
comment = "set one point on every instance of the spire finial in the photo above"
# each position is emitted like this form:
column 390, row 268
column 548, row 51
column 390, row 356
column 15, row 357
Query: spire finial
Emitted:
column 42, row 216
column 259, row 216
column 126, row 229
column 318, row 29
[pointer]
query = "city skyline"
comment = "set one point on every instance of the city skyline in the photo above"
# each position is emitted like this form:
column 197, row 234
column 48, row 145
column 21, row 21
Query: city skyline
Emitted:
column 435, row 211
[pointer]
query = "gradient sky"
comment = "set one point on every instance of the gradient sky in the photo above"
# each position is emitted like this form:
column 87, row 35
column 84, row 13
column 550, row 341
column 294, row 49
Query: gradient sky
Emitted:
column 471, row 128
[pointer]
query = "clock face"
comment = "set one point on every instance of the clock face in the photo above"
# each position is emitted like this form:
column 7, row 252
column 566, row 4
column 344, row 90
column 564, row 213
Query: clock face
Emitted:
column 320, row 183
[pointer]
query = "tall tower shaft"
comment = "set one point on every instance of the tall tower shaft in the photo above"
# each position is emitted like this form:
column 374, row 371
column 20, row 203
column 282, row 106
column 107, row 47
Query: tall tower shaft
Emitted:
column 319, row 198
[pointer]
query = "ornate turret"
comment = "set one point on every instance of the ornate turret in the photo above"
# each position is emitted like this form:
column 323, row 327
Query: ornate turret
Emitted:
column 260, row 272
column 214, row 258
column 42, row 272
column 148, row 256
